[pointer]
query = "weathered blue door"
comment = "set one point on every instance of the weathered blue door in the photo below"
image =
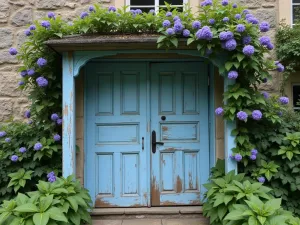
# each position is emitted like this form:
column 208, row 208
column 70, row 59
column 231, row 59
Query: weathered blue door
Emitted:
column 179, row 120
column 146, row 133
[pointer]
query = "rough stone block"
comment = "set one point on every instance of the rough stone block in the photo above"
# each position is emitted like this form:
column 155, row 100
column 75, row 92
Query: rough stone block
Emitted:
column 21, row 38
column 19, row 107
column 251, row 4
column 5, row 57
column 6, row 37
column 9, row 85
column 4, row 10
column 266, row 15
column 6, row 109
column 22, row 17
column 50, row 4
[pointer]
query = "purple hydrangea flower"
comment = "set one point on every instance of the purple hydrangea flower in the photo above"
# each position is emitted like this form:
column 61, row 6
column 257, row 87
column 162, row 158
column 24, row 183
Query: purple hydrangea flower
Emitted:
column 254, row 152
column 230, row 45
column 27, row 114
column 279, row 113
column 252, row 157
column 270, row 46
column 208, row 52
column 245, row 11
column 264, row 26
column 152, row 11
column 92, row 8
column 256, row 114
column 224, row 2
column 206, row 3
column 51, row 15
column 265, row 80
column 248, row 16
column 23, row 73
column 186, row 33
column 56, row 137
column 280, row 67
column 2, row 134
column 83, row 15
column 42, row 82
column 233, row 74
column 13, row 51
column 21, row 83
column 166, row 23
column 27, row 32
column 178, row 27
column 252, row 20
column 112, row 9
column 248, row 50
column 51, row 174
column 45, row 24
column 238, row 157
column 59, row 122
column 241, row 115
column 240, row 28
column 138, row 11
column 284, row 100
column 264, row 40
column 30, row 122
column 234, row 5
column 168, row 14
column 225, row 19
column 176, row 18
column 238, row 16
column 22, row 150
column 196, row 24
column 38, row 146
column 265, row 94
column 231, row 156
column 204, row 33
column 261, row 179
column 51, row 177
column 30, row 72
column 211, row 21
column 41, row 62
column 247, row 40
column 7, row 140
column 32, row 27
column 219, row 111
column 170, row 31
column 54, row 117
column 226, row 35
column 14, row 158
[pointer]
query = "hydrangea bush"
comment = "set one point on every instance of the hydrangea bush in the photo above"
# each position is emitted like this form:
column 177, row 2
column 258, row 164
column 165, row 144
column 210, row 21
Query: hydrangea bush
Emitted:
column 225, row 33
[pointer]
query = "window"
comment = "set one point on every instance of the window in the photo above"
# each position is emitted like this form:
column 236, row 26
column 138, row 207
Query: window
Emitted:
column 147, row 5
column 295, row 11
column 296, row 96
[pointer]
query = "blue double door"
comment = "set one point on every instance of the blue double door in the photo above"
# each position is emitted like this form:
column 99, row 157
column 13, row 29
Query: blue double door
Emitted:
column 146, row 133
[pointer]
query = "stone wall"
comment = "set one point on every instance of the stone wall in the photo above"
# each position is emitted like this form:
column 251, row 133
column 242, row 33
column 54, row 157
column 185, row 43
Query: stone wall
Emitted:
column 15, row 15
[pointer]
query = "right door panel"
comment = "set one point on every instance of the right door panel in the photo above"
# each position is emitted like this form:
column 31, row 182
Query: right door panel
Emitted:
column 179, row 119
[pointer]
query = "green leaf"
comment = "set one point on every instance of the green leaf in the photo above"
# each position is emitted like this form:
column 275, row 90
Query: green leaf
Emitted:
column 253, row 221
column 161, row 38
column 41, row 218
column 45, row 203
column 59, row 34
column 240, row 57
column 190, row 41
column 73, row 203
column 289, row 155
column 228, row 65
column 222, row 210
column 174, row 42
column 28, row 207
column 234, row 215
column 57, row 214
column 261, row 219
column 4, row 216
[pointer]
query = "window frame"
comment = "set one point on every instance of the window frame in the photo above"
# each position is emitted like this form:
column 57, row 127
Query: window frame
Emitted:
column 292, row 11
column 155, row 6
column 292, row 90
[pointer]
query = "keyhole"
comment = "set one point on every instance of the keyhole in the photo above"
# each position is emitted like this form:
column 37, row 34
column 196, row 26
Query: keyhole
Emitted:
column 163, row 118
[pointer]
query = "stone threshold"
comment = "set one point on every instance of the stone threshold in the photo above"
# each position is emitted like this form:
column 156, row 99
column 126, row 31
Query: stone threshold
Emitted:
column 147, row 211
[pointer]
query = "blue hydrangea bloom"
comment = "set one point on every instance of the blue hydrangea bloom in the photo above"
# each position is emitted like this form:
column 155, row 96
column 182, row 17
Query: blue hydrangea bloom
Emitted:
column 27, row 114
column 83, row 15
column 54, row 117
column 2, row 134
column 32, row 27
column 27, row 32
column 240, row 28
column 13, row 51
column 279, row 113
column 51, row 15
column 270, row 46
column 265, row 94
column 230, row 45
column 224, row 2
column 204, row 33
column 261, row 179
column 241, row 115
column 248, row 50
column 38, row 146
column 30, row 72
column 176, row 18
column 51, row 177
column 41, row 62
column 233, row 74
column 264, row 40
column 168, row 14
column 248, row 16
column 264, row 26
column 170, row 31
column 256, row 114
column 226, row 35
column 42, row 82
column 284, row 100
column 225, row 19
column 252, row 157
column 186, row 33
column 211, row 21
column 166, row 23
column 234, row 5
column 92, row 8
column 112, row 9
column 254, row 152
column 238, row 16
column 152, row 11
column 265, row 80
column 22, row 150
column 206, row 3
column 247, row 40
column 56, row 137
column 238, row 157
column 219, row 111
column 245, row 11
column 138, row 11
column 23, row 73
column 45, row 24
column 14, row 158
column 59, row 121
column 196, row 24
column 7, row 140
column 21, row 83
column 178, row 27
column 252, row 20
column 280, row 67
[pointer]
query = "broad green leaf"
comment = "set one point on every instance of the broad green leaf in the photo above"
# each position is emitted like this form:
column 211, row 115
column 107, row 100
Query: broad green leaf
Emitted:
column 41, row 218
column 289, row 155
column 221, row 211
column 228, row 65
column 234, row 215
column 73, row 203
column 45, row 203
column 161, row 38
column 253, row 221
column 4, row 216
column 174, row 42
column 190, row 40
column 261, row 219
column 57, row 214
column 28, row 207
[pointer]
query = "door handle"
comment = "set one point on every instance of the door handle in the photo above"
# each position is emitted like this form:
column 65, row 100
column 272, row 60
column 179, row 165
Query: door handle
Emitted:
column 154, row 143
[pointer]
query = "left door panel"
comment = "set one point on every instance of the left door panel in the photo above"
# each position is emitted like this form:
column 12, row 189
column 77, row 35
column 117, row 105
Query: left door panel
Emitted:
column 115, row 134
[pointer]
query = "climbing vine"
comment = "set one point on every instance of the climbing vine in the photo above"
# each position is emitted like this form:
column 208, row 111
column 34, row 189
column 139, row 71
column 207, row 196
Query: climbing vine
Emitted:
column 225, row 33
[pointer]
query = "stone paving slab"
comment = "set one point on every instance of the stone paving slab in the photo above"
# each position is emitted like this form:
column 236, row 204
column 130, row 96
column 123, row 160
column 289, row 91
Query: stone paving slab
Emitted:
column 142, row 222
column 107, row 222
column 196, row 221
column 184, row 222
